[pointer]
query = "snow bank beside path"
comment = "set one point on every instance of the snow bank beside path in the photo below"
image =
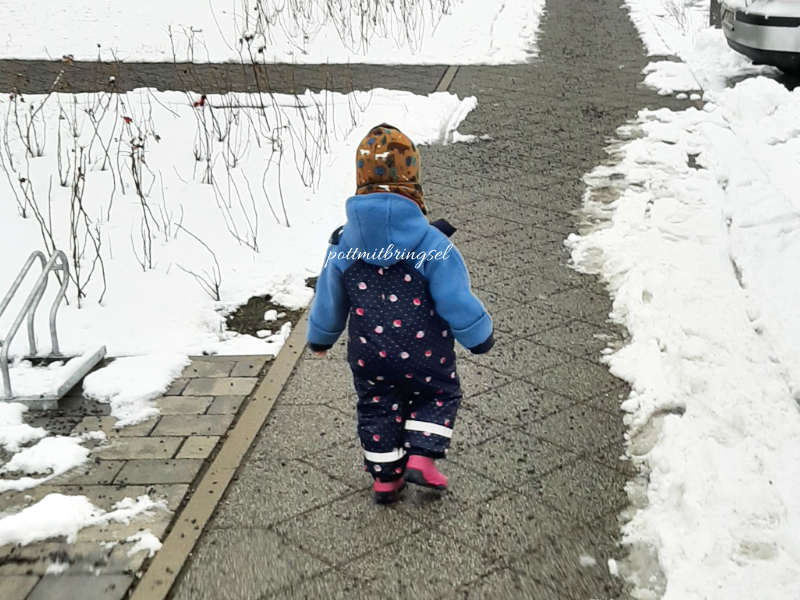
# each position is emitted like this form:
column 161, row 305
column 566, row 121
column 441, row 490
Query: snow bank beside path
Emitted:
column 414, row 32
column 57, row 515
column 680, row 28
column 697, row 235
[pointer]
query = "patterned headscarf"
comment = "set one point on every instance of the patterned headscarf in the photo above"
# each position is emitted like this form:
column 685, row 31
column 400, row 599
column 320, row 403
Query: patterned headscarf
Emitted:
column 387, row 161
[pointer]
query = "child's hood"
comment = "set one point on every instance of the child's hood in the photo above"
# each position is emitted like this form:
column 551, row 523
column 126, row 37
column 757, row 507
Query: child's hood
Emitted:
column 382, row 225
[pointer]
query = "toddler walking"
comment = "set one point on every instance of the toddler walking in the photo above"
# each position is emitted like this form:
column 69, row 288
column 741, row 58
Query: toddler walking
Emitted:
column 406, row 292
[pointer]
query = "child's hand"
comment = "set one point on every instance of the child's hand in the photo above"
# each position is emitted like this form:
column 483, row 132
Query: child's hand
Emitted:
column 320, row 354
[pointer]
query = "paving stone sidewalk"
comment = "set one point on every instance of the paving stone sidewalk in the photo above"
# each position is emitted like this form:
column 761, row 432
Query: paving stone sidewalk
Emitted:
column 536, row 479
column 160, row 458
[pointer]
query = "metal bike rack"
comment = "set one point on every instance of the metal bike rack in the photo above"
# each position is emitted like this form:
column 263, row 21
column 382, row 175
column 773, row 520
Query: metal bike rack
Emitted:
column 57, row 262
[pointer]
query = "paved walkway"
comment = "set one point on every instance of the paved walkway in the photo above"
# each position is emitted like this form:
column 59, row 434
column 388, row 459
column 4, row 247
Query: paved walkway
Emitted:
column 160, row 458
column 536, row 480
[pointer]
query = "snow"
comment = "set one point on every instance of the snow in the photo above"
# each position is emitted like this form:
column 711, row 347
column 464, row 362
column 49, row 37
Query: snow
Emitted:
column 587, row 561
column 696, row 232
column 51, row 456
column 145, row 541
column 27, row 380
column 281, row 176
column 130, row 384
column 14, row 432
column 680, row 28
column 58, row 515
column 311, row 32
column 56, row 568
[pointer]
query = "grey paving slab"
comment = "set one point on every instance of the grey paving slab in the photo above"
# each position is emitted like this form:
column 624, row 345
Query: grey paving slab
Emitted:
column 330, row 585
column 519, row 358
column 474, row 226
column 145, row 447
column 185, row 405
column 271, row 490
column 581, row 429
column 108, row 425
column 37, row 76
column 344, row 404
column 498, row 525
column 198, row 446
column 246, row 563
column 541, row 280
column 225, row 405
column 577, row 378
column 486, row 247
column 305, row 388
column 476, row 378
column 395, row 569
column 580, row 338
column 471, row 428
column 159, row 471
column 512, row 459
column 581, row 490
column 581, row 304
column 176, row 387
column 98, row 472
column 16, row 587
column 611, row 399
column 505, row 584
column 518, row 404
column 250, row 367
column 343, row 462
column 346, row 529
column 484, row 273
column 185, row 425
column 209, row 367
column 81, row 587
column 220, row 386
column 557, row 563
column 295, row 431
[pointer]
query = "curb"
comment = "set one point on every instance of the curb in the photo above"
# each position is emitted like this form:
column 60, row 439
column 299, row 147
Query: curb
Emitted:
column 170, row 560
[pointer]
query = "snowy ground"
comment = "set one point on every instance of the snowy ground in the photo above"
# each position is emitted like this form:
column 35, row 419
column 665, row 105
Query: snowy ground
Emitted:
column 302, row 31
column 695, row 227
column 680, row 28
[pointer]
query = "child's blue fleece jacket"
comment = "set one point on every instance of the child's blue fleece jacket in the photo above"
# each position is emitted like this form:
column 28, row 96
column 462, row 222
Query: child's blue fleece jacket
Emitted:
column 380, row 229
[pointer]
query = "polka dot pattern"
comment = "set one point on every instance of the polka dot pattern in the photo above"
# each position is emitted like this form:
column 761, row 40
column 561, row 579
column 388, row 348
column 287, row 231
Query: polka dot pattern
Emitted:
column 402, row 363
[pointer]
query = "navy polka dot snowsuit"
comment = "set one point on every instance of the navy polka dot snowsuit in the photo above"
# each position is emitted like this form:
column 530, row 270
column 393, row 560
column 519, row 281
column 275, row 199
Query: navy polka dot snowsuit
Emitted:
column 400, row 346
column 401, row 355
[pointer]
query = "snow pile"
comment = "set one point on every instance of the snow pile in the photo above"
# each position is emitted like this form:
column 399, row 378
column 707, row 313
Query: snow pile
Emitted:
column 316, row 32
column 696, row 231
column 680, row 28
column 145, row 541
column 130, row 384
column 14, row 432
column 51, row 456
column 188, row 207
column 57, row 515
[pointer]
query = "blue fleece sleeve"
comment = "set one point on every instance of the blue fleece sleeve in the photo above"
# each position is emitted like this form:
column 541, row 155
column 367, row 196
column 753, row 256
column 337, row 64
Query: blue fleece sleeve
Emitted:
column 448, row 282
column 329, row 309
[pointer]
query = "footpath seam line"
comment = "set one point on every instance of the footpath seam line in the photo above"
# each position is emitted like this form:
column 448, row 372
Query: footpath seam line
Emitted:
column 170, row 560
column 447, row 79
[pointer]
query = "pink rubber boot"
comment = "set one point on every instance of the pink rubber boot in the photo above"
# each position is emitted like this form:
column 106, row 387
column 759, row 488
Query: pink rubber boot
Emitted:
column 386, row 492
column 421, row 470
